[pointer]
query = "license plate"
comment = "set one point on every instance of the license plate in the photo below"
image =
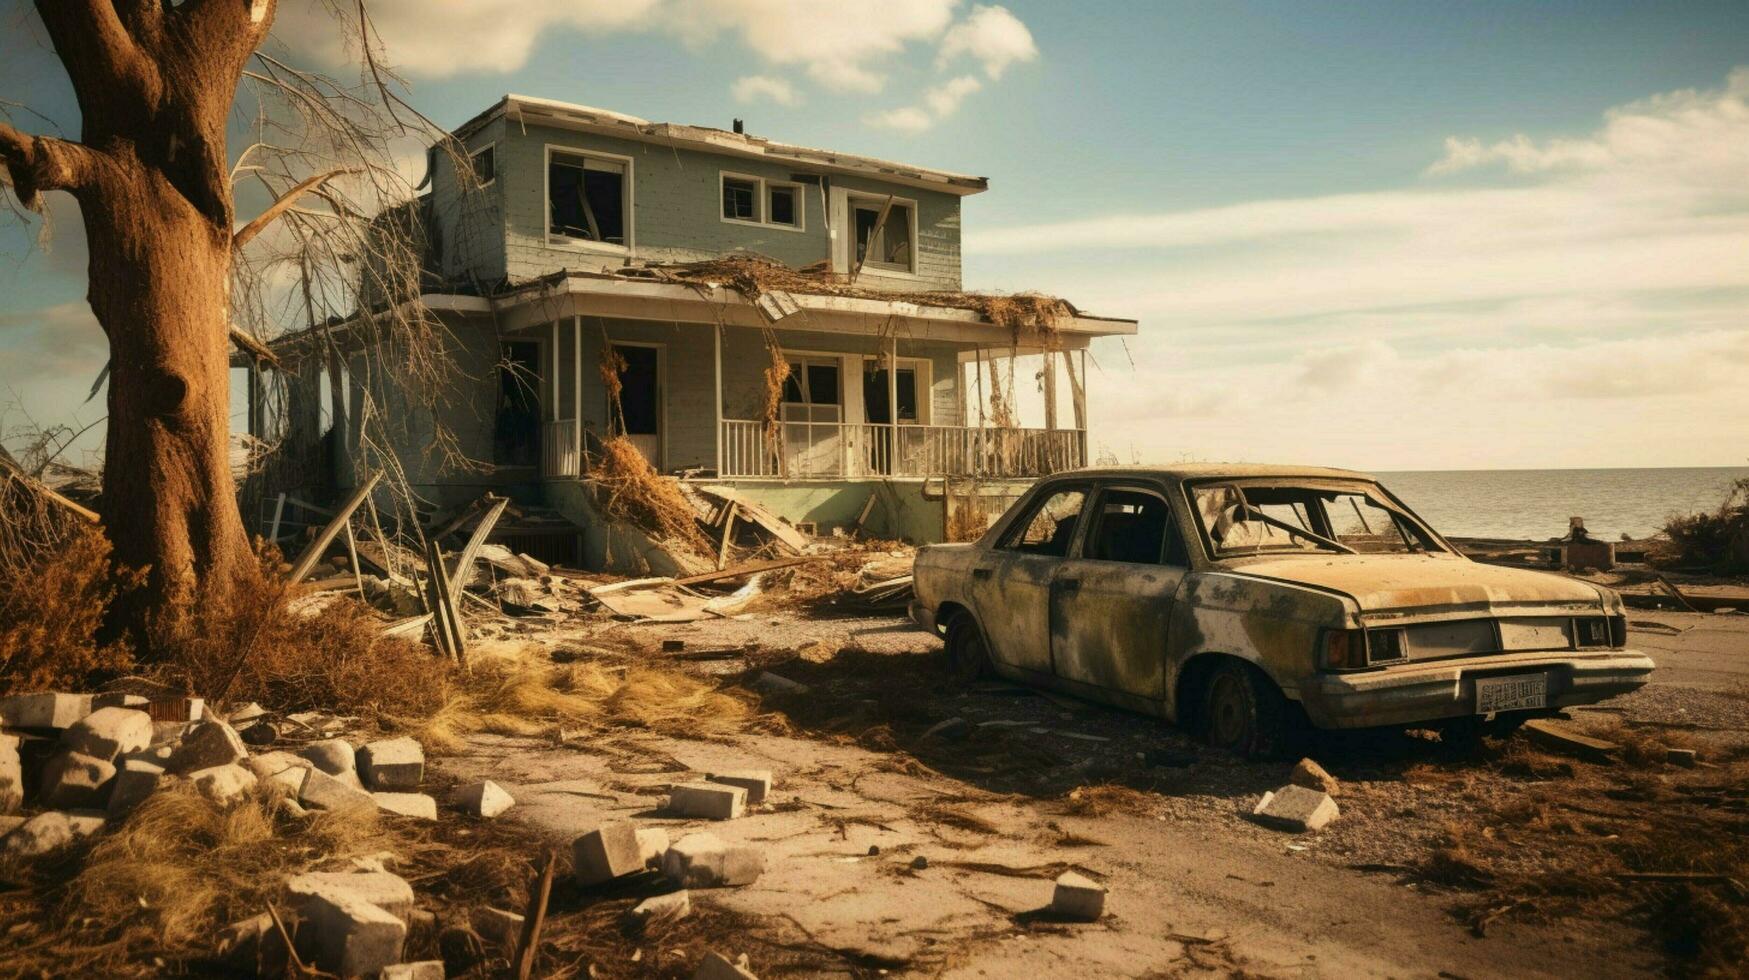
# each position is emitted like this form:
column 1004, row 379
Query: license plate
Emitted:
column 1511, row 693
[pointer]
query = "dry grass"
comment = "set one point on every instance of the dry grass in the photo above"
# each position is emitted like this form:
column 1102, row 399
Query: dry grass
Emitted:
column 518, row 697
column 51, row 610
column 1106, row 799
column 166, row 880
column 251, row 646
column 629, row 489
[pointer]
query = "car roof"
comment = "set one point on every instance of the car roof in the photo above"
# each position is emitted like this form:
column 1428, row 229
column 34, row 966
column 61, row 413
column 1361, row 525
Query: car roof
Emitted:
column 1200, row 471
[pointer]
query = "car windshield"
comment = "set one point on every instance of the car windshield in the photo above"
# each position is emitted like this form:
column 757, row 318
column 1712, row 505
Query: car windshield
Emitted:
column 1325, row 516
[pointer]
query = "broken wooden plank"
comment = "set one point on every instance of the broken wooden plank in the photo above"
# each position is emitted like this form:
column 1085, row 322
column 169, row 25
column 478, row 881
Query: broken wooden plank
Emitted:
column 313, row 553
column 44, row 489
column 728, row 535
column 528, row 948
column 278, row 512
column 1676, row 593
column 446, row 625
column 464, row 564
column 1555, row 738
column 407, row 626
column 740, row 570
column 750, row 511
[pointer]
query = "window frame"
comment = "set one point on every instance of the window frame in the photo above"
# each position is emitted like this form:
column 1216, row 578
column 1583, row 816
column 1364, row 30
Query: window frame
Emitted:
column 923, row 368
column 628, row 206
column 491, row 148
column 851, row 201
column 761, row 201
column 1172, row 526
column 1005, row 539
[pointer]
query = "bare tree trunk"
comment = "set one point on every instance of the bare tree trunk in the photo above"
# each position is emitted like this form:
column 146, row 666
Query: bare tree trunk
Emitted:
column 155, row 83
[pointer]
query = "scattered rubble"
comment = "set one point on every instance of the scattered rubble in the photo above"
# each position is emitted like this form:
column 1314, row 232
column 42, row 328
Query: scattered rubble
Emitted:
column 1078, row 897
column 703, row 860
column 757, row 782
column 1296, row 808
column 1312, row 776
column 605, row 853
column 484, row 799
column 715, row 966
column 709, row 800
column 392, row 764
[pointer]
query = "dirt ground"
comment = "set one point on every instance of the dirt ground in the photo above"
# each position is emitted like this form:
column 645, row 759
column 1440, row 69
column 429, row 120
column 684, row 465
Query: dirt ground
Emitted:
column 1484, row 861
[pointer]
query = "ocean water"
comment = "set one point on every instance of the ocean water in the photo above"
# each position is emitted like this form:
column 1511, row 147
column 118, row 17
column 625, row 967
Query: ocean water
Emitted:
column 1535, row 504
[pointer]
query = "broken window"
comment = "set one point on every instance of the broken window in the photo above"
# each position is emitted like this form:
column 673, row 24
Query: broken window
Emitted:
column 485, row 165
column 883, row 243
column 784, row 209
column 1050, row 527
column 740, row 199
column 1134, row 526
column 1324, row 517
column 811, row 392
column 875, row 393
column 587, row 198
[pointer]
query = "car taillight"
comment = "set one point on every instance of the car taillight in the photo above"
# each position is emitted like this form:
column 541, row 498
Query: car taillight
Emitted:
column 1593, row 631
column 1344, row 649
column 1618, row 631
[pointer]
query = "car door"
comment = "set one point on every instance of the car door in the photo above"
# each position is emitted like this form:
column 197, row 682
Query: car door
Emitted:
column 1011, row 582
column 1111, row 602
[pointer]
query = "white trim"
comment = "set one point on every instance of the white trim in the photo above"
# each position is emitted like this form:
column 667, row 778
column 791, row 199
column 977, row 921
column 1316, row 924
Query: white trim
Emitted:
column 762, row 201
column 870, row 266
column 629, row 209
column 493, row 146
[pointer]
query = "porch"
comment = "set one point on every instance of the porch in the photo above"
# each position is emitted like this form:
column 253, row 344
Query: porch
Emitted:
column 853, row 406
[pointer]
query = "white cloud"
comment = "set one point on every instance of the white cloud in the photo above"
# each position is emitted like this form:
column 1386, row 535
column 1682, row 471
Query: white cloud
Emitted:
column 938, row 103
column 755, row 88
column 843, row 47
column 992, row 36
column 1580, row 300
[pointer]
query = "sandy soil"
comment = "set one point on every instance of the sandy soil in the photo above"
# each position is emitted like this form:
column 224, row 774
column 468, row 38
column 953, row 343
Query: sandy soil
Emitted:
column 1441, row 864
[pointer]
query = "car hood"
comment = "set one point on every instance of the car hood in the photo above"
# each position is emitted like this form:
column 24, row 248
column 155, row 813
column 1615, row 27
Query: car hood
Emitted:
column 1402, row 582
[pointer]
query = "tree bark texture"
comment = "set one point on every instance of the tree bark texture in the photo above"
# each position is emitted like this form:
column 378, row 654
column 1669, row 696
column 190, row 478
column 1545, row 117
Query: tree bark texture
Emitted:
column 155, row 84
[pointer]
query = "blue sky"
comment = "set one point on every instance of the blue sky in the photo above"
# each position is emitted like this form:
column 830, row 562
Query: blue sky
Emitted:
column 1394, row 235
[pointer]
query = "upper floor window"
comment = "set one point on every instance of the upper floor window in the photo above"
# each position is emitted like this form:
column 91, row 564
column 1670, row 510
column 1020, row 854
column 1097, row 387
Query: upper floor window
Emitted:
column 589, row 198
column 485, row 165
column 884, row 230
column 758, row 201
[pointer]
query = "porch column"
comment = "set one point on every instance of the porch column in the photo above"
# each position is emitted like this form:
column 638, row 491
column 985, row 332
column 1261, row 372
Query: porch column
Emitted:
column 1050, row 375
column 577, row 389
column 553, row 376
column 893, row 404
column 717, row 413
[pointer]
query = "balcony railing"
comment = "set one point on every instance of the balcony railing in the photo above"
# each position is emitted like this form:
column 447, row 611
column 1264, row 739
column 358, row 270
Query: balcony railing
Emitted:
column 855, row 450
column 558, row 449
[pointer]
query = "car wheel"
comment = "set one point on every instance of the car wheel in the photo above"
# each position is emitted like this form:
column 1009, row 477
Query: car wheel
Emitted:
column 968, row 657
column 1243, row 712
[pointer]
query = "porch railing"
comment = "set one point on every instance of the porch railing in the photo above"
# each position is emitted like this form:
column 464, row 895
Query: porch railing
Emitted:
column 848, row 449
column 558, row 449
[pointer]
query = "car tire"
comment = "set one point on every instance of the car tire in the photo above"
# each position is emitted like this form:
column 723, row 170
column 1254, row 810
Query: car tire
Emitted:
column 1243, row 712
column 968, row 656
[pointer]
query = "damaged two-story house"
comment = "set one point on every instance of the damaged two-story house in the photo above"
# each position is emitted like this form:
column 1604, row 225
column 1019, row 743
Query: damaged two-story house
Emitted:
column 692, row 262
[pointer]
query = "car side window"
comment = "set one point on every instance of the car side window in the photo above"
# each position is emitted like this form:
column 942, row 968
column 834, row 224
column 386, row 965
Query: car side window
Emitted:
column 1049, row 528
column 1134, row 526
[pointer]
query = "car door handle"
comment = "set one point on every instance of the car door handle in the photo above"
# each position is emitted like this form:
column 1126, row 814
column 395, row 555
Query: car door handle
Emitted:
column 1069, row 584
column 980, row 573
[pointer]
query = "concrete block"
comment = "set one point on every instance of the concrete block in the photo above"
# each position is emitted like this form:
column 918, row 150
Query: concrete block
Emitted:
column 389, row 892
column 1078, row 897
column 709, row 800
column 392, row 764
column 757, row 782
column 1296, row 808
column 11, row 775
column 716, row 966
column 331, row 793
column 43, row 710
column 117, row 699
column 247, row 713
column 671, row 907
column 1312, row 776
column 49, row 831
column 225, row 784
column 281, row 768
column 333, row 756
column 497, row 925
column 350, row 936
column 1680, row 757
column 770, row 683
column 157, row 755
column 73, row 780
column 483, row 799
column 205, row 745
column 134, row 781
column 422, row 970
column 704, row 861
column 109, row 732
column 605, row 853
column 415, row 805
column 652, row 844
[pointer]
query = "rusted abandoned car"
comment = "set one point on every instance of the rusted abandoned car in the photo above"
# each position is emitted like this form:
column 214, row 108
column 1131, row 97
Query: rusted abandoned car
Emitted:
column 1243, row 601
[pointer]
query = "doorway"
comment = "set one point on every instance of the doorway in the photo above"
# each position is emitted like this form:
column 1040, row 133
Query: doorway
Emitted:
column 640, row 398
column 516, row 433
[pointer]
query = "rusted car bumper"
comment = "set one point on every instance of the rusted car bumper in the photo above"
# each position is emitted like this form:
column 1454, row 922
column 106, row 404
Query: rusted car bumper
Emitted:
column 1447, row 689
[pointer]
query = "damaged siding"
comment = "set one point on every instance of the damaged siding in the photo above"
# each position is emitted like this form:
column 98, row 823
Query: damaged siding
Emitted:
column 467, row 232
column 677, row 211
